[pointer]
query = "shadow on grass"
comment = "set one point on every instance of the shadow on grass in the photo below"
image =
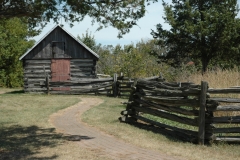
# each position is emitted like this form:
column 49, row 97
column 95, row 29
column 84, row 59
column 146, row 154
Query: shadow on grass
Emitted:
column 177, row 136
column 18, row 142
column 15, row 92
column 170, row 134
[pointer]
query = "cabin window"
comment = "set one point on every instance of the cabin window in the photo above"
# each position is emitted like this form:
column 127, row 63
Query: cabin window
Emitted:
column 58, row 49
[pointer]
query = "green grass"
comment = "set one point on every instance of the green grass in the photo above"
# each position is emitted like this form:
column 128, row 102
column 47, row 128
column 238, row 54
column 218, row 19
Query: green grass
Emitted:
column 25, row 132
column 105, row 117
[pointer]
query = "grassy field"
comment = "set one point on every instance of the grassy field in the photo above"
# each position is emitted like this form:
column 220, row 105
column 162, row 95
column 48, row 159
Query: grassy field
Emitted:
column 105, row 117
column 25, row 132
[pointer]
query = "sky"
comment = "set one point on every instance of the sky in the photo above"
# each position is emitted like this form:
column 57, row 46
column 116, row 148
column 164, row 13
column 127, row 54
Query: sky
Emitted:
column 108, row 36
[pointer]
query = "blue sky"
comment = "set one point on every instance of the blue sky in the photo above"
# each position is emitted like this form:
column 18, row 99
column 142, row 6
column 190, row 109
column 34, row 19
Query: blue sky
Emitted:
column 108, row 36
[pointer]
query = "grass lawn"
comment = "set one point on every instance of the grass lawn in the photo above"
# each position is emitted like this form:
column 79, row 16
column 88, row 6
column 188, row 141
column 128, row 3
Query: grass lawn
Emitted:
column 25, row 132
column 105, row 117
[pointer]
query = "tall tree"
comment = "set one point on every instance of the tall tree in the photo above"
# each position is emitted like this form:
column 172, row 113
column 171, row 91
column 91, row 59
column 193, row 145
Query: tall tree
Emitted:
column 14, row 42
column 204, row 30
column 121, row 14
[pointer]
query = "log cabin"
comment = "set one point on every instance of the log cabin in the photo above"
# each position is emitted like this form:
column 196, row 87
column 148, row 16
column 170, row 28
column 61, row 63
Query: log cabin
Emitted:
column 59, row 56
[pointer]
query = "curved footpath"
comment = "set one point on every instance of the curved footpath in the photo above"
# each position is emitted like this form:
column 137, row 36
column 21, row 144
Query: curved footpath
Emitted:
column 68, row 121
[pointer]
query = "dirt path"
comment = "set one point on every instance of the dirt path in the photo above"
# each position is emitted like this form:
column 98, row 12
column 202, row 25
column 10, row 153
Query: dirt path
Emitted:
column 68, row 121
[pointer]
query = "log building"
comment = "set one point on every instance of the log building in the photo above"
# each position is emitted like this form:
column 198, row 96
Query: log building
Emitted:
column 61, row 57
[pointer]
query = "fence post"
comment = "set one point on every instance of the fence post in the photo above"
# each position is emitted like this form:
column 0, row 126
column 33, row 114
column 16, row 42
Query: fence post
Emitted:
column 203, row 98
column 47, row 84
column 115, row 89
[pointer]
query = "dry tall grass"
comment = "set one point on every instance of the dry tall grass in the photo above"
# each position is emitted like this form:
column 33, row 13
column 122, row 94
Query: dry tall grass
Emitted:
column 216, row 78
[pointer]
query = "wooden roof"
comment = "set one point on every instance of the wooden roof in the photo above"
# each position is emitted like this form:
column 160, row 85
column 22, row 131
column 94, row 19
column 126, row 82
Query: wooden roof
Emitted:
column 58, row 26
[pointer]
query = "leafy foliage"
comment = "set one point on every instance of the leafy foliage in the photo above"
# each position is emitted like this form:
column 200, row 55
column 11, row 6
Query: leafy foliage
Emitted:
column 121, row 14
column 132, row 60
column 89, row 40
column 13, row 43
column 205, row 31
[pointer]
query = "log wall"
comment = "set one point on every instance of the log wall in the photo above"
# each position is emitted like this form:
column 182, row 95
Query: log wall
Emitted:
column 82, row 69
column 35, row 72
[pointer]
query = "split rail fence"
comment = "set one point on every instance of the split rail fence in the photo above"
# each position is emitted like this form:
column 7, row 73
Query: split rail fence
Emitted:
column 110, row 86
column 185, row 110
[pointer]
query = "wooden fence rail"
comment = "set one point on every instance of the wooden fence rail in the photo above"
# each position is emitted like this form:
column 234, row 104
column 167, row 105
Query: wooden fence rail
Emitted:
column 184, row 110
column 109, row 86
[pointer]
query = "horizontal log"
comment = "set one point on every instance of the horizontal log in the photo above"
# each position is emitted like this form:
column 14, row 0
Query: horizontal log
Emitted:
column 34, row 75
column 82, row 60
column 169, row 92
column 224, row 108
column 82, row 64
column 174, row 102
column 80, row 74
column 34, row 79
column 226, row 120
column 156, row 84
column 80, row 87
column 75, row 68
column 225, row 130
column 85, row 81
column 228, row 139
column 72, row 92
column 37, row 61
column 37, row 71
column 164, row 85
column 175, row 133
column 166, row 115
column 37, row 67
column 224, row 90
column 226, row 100
column 166, row 92
column 161, row 125
column 35, row 89
column 38, row 84
column 181, row 84
column 77, row 87
column 35, row 92
column 168, row 108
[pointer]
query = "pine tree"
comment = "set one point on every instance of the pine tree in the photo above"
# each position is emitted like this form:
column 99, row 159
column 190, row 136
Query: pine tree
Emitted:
column 206, row 31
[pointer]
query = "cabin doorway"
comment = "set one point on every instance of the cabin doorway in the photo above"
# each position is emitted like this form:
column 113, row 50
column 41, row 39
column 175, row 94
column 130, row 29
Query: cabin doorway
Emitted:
column 60, row 72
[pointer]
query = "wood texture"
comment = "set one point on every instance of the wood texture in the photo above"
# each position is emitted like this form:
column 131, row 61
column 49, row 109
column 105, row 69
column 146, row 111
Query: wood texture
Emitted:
column 59, row 44
column 166, row 115
column 202, row 108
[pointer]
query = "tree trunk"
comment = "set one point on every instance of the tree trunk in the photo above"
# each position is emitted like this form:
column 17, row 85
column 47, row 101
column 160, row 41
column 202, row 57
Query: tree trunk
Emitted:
column 205, row 61
column 204, row 54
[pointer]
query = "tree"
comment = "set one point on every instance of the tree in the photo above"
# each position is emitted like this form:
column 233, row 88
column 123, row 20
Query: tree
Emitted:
column 89, row 40
column 14, row 42
column 203, row 30
column 121, row 14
